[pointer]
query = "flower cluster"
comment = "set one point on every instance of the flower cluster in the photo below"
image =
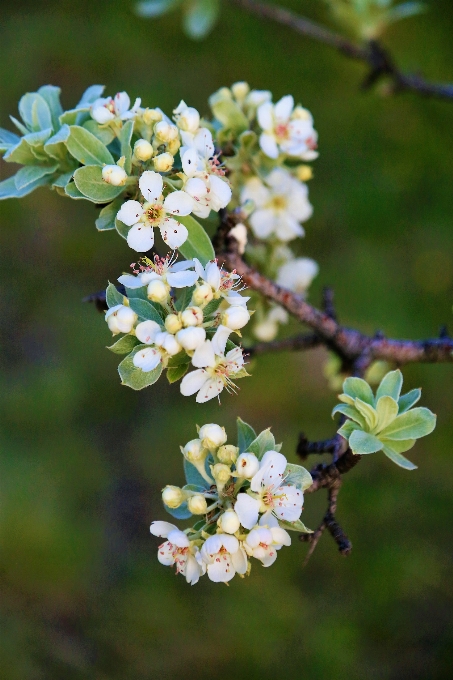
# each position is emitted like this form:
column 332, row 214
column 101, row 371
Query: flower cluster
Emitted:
column 177, row 315
column 247, row 497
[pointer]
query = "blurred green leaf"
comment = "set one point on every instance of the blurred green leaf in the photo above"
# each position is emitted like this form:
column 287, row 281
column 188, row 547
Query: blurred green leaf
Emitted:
column 155, row 8
column 31, row 174
column 125, row 137
column 199, row 17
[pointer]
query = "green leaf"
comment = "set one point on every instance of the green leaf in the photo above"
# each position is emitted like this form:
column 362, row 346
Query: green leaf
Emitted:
column 37, row 141
column 348, row 428
column 86, row 148
column 104, row 134
column 35, row 112
column 184, row 298
column 90, row 95
column 410, row 425
column 125, row 137
column 350, row 412
column 145, row 310
column 212, row 307
column 113, row 297
column 390, row 385
column 8, row 187
column 72, row 191
column 134, row 377
column 398, row 459
column 29, row 175
column 8, row 138
column 265, row 441
column 56, row 145
column 19, row 126
column 362, row 443
column 198, row 243
column 21, row 153
column 192, row 474
column 368, row 412
column 294, row 526
column 176, row 373
column 399, row 446
column 408, row 400
column 200, row 17
column 124, row 345
column 155, row 8
column 51, row 95
column 141, row 294
column 297, row 475
column 358, row 388
column 89, row 182
column 228, row 113
column 121, row 228
column 387, row 410
column 107, row 216
column 405, row 10
column 178, row 360
column 246, row 435
column 182, row 512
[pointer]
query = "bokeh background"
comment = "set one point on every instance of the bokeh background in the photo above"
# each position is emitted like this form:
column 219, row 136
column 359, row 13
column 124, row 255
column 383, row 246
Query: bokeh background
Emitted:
column 83, row 459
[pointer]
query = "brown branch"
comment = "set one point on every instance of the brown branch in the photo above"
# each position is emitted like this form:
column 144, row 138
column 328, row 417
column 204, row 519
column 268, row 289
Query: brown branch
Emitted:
column 373, row 55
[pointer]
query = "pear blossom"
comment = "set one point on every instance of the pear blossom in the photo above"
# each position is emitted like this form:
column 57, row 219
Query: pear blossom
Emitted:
column 223, row 556
column 212, row 435
column 191, row 338
column 297, row 274
column 222, row 282
column 281, row 204
column 120, row 319
column 178, row 550
column 229, row 522
column 187, row 118
column 171, row 273
column 147, row 359
column 107, row 109
column 263, row 542
column 214, row 372
column 286, row 130
column 155, row 212
column 247, row 465
column 205, row 182
column 143, row 150
column 235, row 317
column 269, row 494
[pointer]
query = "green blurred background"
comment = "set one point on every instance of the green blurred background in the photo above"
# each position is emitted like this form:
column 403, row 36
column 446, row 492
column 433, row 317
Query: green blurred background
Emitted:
column 83, row 459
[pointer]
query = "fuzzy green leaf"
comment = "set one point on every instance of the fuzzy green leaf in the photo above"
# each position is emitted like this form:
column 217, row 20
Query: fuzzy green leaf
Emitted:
column 368, row 412
column 8, row 187
column 125, row 137
column 212, row 307
column 104, row 134
column 182, row 512
column 246, row 435
column 107, row 216
column 358, row 388
column 145, row 310
column 89, row 182
column 90, row 95
column 176, row 373
column 228, row 113
column 390, row 385
column 21, row 153
column 193, row 476
column 124, row 345
column 199, row 17
column 86, row 148
column 350, row 412
column 399, row 446
column 72, row 191
column 56, row 145
column 408, row 400
column 398, row 458
column 297, row 475
column 198, row 243
column 178, row 360
column 265, row 441
column 134, row 377
column 113, row 297
column 295, row 526
column 8, row 138
column 362, row 443
column 35, row 112
column 185, row 296
column 51, row 95
column 410, row 425
column 348, row 428
column 29, row 175
column 387, row 410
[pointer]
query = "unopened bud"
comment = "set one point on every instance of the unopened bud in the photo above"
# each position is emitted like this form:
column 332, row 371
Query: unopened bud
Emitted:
column 235, row 317
column 163, row 162
column 173, row 147
column 194, row 451
column 229, row 522
column 173, row 496
column 247, row 465
column 212, row 436
column 143, row 150
column 188, row 119
column 304, row 173
column 113, row 174
column 191, row 338
column 168, row 342
column 240, row 91
column 197, row 505
column 202, row 294
column 157, row 291
column 300, row 113
column 221, row 473
column 228, row 454
column 173, row 323
column 151, row 116
column 192, row 316
column 120, row 319
column 165, row 132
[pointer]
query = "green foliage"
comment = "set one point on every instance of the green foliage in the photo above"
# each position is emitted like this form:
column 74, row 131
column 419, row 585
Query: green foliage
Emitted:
column 383, row 422
column 145, row 310
column 368, row 19
column 246, row 435
column 134, row 377
column 124, row 345
column 193, row 476
column 113, row 296
column 265, row 441
column 298, row 475
column 198, row 243
column 177, row 372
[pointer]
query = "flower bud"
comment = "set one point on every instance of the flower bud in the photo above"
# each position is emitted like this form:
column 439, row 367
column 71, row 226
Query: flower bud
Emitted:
column 173, row 323
column 151, row 116
column 247, row 465
column 192, row 316
column 240, row 91
column 304, row 173
column 194, row 451
column 191, row 338
column 157, row 291
column 188, row 119
column 163, row 162
column 221, row 473
column 173, row 147
column 202, row 294
column 113, row 174
column 143, row 150
column 165, row 132
column 197, row 505
column 229, row 522
column 300, row 113
column 173, row 496
column 228, row 454
column 212, row 436
column 235, row 317
column 168, row 342
column 120, row 319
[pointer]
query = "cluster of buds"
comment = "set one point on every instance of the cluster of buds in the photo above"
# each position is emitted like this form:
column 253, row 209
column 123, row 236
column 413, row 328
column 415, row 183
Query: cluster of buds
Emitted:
column 247, row 497
column 192, row 328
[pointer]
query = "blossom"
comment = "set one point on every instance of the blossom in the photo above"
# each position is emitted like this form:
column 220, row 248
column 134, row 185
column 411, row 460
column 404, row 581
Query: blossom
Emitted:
column 270, row 495
column 297, row 274
column 286, row 130
column 212, row 436
column 247, row 465
column 214, row 372
column 120, row 319
column 143, row 150
column 106, row 109
column 172, row 274
column 178, row 550
column 264, row 541
column 281, row 204
column 187, row 118
column 221, row 282
column 223, row 556
column 155, row 212
column 229, row 522
column 205, row 183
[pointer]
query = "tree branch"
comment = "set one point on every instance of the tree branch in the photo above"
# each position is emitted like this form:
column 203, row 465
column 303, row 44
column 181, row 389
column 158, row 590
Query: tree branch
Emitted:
column 373, row 54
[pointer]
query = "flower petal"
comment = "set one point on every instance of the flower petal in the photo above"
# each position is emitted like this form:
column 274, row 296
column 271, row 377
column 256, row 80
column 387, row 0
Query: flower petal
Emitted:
column 151, row 184
column 140, row 238
column 165, row 554
column 204, row 355
column 146, row 331
column 247, row 509
column 222, row 569
column 268, row 145
column 196, row 188
column 130, row 281
column 147, row 359
column 179, row 538
column 283, row 108
column 183, row 279
column 280, row 536
column 178, row 203
column 173, row 233
column 202, row 141
column 210, row 389
column 219, row 340
column 220, row 193
column 193, row 381
column 239, row 559
column 189, row 160
column 265, row 115
column 161, row 528
column 122, row 102
column 263, row 222
column 193, row 571
column 130, row 213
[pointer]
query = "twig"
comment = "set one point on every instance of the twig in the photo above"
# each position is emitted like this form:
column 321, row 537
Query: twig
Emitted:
column 377, row 59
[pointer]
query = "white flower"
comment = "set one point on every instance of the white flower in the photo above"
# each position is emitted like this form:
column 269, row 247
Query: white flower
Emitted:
column 192, row 316
column 224, row 557
column 168, row 342
column 187, row 118
column 179, row 550
column 147, row 359
column 271, row 494
column 113, row 174
column 297, row 274
column 172, row 274
column 120, row 319
column 222, row 283
column 214, row 372
column 267, row 329
column 286, row 131
column 155, row 212
column 264, row 541
column 279, row 207
column 150, row 333
column 106, row 109
column 204, row 183
column 212, row 436
column 235, row 317
column 146, row 331
column 247, row 465
column 254, row 99
column 191, row 338
column 229, row 522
